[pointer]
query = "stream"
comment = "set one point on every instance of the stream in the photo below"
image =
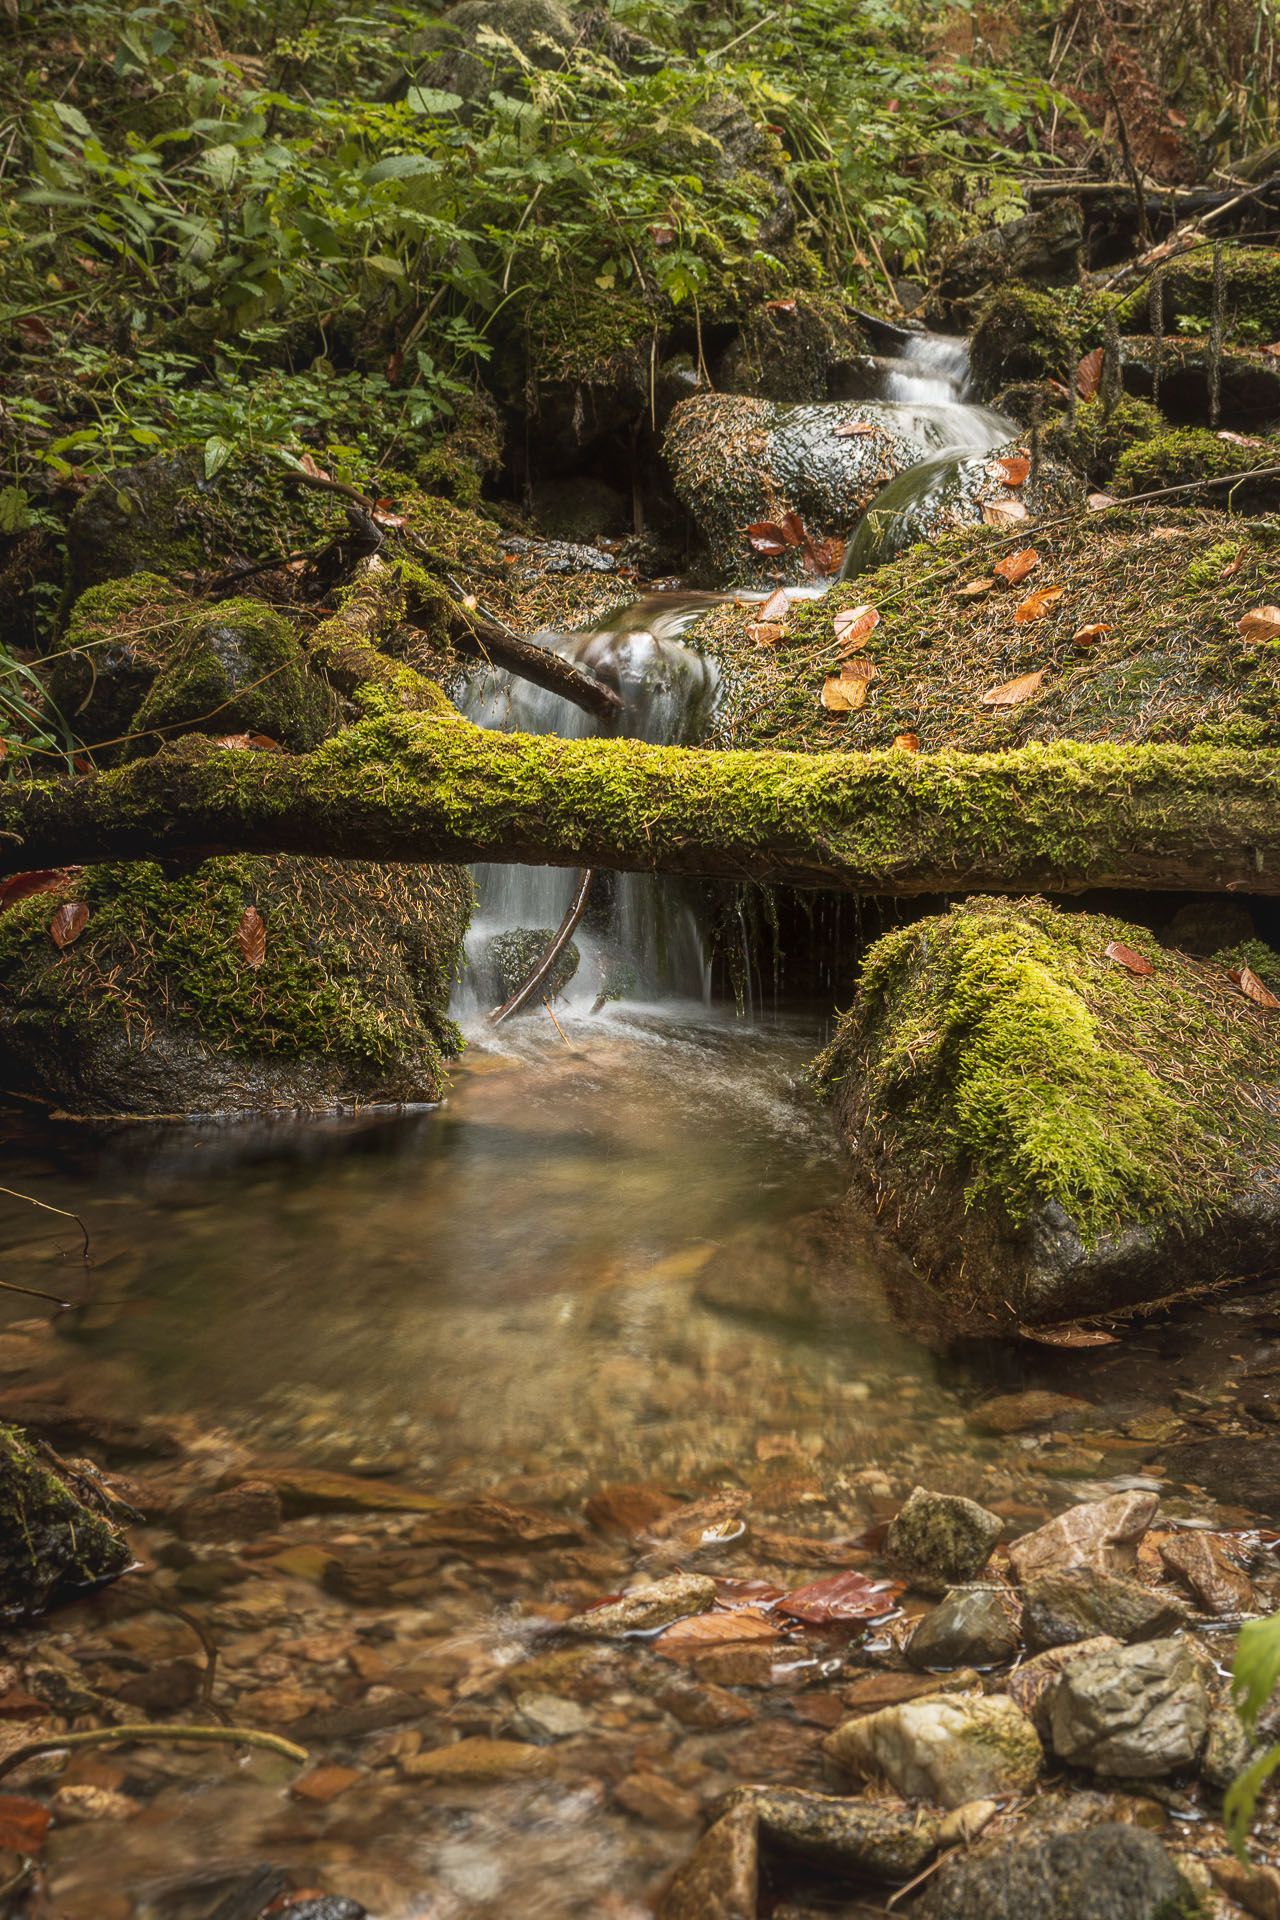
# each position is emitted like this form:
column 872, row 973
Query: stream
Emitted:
column 611, row 1282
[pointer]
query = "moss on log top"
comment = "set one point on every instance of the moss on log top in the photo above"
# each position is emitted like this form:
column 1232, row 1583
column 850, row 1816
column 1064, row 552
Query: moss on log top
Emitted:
column 1172, row 666
column 52, row 1547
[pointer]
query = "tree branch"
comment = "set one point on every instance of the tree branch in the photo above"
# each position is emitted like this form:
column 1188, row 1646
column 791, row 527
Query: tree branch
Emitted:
column 430, row 786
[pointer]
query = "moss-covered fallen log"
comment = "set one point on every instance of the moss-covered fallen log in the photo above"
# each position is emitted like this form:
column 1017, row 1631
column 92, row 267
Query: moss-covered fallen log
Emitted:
column 430, row 786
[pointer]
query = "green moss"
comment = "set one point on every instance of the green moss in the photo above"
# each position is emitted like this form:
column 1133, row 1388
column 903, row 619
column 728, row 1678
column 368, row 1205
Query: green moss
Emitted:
column 1097, row 439
column 1023, row 333
column 1252, row 298
column 238, row 669
column 1001, row 1049
column 1187, row 455
column 53, row 1548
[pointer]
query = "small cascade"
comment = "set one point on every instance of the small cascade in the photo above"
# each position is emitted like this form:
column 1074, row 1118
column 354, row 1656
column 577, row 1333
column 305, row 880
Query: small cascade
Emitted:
column 925, row 388
column 641, row 938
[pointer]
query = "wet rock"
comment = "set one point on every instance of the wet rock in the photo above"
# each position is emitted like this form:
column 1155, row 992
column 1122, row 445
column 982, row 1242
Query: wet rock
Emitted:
column 380, row 1577
column 1040, row 249
column 1019, row 1412
column 799, row 351
column 876, row 1690
column 705, row 1707
column 973, row 1626
column 719, row 1881
column 1256, row 1888
column 658, row 1802
column 509, row 958
column 1136, row 1714
column 53, row 1548
column 161, row 1689
column 477, row 1758
column 1105, row 1873
column 645, row 1609
column 236, row 1513
column 1228, row 1748
column 549, row 1716
column 1079, row 1604
column 840, row 1835
column 1095, row 1534
column 940, row 1540
column 948, row 1749
column 1204, row 1564
column 624, row 1512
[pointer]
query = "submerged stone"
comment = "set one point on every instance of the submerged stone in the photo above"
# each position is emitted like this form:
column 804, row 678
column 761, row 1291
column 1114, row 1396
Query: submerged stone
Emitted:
column 720, row 1879
column 973, row 1626
column 1105, row 1873
column 1080, row 1604
column 53, row 1548
column 1059, row 1131
column 645, row 1609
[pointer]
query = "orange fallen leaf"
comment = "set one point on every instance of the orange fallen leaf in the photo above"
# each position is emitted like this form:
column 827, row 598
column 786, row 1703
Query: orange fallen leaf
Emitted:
column 777, row 606
column 684, row 1638
column 846, row 691
column 1013, row 692
column 1239, row 439
column 308, row 465
column 974, row 589
column 21, row 886
column 765, row 633
column 780, row 306
column 1097, row 501
column 1088, row 636
column 825, row 556
column 907, row 742
column 852, row 429
column 766, row 536
column 845, row 1598
column 1127, row 958
column 1073, row 1336
column 1037, row 605
column 1253, row 989
column 68, row 923
column 855, row 625
column 1089, row 373
column 1273, row 349
column 1260, row 623
column 1016, row 566
column 251, row 935
column 1012, row 468
column 999, row 513
column 23, row 1824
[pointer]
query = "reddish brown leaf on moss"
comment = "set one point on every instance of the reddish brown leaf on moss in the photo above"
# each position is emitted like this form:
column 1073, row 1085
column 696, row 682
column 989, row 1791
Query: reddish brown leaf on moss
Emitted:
column 23, row 1824
column 68, row 923
column 1013, row 469
column 1016, row 566
column 1127, row 958
column 1089, row 373
column 1014, row 692
column 906, row 742
column 765, row 633
column 776, row 607
column 855, row 625
column 766, row 536
column 825, row 556
column 1088, row 636
column 1239, row 439
column 1260, row 623
column 1000, row 513
column 251, row 935
column 308, row 465
column 40, row 880
column 974, row 589
column 1252, row 988
column 1233, row 566
column 1097, row 501
column 846, row 691
column 793, row 529
column 844, row 1598
column 780, row 306
column 1037, row 605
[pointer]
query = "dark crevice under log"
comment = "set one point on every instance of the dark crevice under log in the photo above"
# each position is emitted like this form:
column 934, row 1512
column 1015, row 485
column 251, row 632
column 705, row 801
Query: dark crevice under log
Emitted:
column 430, row 786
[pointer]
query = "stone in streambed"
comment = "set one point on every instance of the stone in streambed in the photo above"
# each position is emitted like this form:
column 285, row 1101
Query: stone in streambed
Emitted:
column 720, row 1879
column 1079, row 1604
column 841, row 1835
column 1030, row 1686
column 1071, row 1157
column 53, row 1548
column 645, row 1609
column 1137, row 1714
column 1096, row 1534
column 1018, row 1412
column 940, row 1540
column 1105, row 1873
column 476, row 1758
column 972, row 1626
column 944, row 1748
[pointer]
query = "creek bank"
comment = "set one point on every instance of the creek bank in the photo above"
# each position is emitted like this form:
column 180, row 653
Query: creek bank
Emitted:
column 1049, row 1128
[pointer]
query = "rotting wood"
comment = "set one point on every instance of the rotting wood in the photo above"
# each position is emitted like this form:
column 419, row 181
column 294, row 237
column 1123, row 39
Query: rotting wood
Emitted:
column 430, row 786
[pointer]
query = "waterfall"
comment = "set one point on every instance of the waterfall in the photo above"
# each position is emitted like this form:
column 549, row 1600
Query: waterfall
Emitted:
column 641, row 938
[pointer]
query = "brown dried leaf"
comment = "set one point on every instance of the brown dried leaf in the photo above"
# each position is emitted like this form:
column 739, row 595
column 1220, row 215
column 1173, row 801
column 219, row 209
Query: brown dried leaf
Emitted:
column 765, row 633
column 1037, row 605
column 1240, row 439
column 21, row 886
column 1088, row 636
column 1134, row 962
column 974, row 589
column 780, row 306
column 1233, row 566
column 1012, row 469
column 793, row 529
column 1072, row 1336
column 1000, row 513
column 1097, row 501
column 777, row 606
column 1260, row 623
column 685, row 1638
column 1089, row 373
column 855, row 625
column 68, row 923
column 251, row 935
column 661, row 234
column 23, row 1824
column 1273, row 349
column 853, row 429
column 1016, row 566
column 826, row 556
column 1253, row 989
column 766, row 536
column 308, row 465
column 846, row 691
column 1013, row 692
column 842, row 1597
column 906, row 742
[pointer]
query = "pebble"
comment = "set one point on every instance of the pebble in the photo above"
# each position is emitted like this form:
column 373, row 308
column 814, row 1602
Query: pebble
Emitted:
column 1135, row 1713
column 719, row 1879
column 656, row 1801
column 946, row 1748
column 939, row 1540
column 971, row 1626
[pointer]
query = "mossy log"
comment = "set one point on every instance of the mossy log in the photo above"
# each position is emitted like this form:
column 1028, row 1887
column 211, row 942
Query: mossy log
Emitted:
column 430, row 786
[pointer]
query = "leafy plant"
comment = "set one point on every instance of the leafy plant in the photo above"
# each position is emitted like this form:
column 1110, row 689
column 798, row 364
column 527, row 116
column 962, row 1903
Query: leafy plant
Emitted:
column 1254, row 1678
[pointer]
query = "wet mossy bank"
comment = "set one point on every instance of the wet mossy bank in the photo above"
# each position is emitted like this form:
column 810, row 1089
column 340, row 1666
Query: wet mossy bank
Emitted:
column 1046, row 1131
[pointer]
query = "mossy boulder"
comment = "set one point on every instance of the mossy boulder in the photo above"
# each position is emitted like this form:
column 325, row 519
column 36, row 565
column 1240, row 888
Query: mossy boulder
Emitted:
column 142, row 662
column 1045, row 1129
column 1251, row 296
column 509, row 958
column 1105, row 1873
column 788, row 349
column 1040, row 249
column 1094, row 442
column 53, row 1548
column 156, row 1008
column 1179, row 373
column 1191, row 456
column 1171, row 666
column 1022, row 333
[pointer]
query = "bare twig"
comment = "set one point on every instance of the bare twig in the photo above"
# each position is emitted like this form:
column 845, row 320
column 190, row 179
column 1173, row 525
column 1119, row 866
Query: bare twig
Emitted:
column 547, row 960
column 105, row 1736
column 46, row 1208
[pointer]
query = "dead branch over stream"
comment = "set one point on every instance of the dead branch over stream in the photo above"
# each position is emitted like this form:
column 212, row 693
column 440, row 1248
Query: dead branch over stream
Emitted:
column 423, row 786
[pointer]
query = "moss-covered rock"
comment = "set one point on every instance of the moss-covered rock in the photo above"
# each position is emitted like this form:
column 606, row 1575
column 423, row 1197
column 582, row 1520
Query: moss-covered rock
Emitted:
column 1047, row 1132
column 509, row 958
column 1040, row 249
column 1171, row 665
column 1094, row 442
column 53, row 1548
column 1022, row 333
column 1106, row 1873
column 787, row 349
column 1251, row 303
column 156, row 1009
column 1188, row 456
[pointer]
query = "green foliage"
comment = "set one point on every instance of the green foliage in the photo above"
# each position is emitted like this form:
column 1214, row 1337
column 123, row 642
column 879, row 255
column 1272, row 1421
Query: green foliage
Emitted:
column 1254, row 1679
